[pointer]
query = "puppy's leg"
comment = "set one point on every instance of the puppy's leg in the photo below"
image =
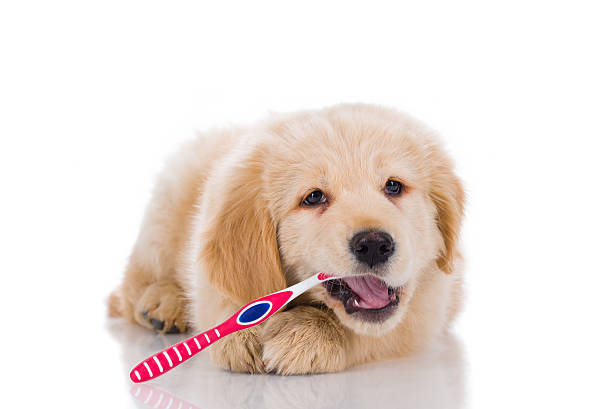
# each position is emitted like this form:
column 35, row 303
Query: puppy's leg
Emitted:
column 151, row 293
column 304, row 340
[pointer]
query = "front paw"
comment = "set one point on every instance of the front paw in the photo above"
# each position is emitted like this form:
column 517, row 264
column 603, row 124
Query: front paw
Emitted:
column 239, row 352
column 162, row 308
column 303, row 340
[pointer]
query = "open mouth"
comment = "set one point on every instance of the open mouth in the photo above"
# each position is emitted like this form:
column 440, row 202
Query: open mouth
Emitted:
column 366, row 296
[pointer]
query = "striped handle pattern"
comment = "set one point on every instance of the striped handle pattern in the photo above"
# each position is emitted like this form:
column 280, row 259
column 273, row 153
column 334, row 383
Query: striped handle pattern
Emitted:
column 169, row 358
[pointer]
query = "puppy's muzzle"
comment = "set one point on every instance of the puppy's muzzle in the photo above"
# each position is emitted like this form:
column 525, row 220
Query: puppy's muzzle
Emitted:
column 372, row 247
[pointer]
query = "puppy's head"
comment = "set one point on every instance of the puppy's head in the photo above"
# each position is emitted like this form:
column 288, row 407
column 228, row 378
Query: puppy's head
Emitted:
column 355, row 191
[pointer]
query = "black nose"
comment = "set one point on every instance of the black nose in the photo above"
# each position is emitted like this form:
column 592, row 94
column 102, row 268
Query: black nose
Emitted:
column 372, row 247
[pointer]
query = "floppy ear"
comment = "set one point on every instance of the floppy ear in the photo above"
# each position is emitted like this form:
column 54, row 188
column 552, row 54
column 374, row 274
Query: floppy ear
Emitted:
column 448, row 197
column 240, row 253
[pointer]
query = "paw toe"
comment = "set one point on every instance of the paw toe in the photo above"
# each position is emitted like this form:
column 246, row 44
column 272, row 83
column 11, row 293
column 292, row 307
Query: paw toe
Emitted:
column 158, row 324
column 173, row 330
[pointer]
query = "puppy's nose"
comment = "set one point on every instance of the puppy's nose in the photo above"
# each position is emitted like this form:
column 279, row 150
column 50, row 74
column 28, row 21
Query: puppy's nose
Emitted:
column 372, row 247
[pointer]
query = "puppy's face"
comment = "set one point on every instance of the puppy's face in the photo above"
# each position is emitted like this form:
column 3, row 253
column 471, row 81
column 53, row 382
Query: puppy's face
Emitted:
column 352, row 196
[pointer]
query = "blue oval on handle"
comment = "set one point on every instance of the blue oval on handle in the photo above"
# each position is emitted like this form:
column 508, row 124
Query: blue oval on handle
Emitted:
column 254, row 313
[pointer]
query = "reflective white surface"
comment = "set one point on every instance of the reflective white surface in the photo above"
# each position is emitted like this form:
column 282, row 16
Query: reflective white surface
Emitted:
column 434, row 379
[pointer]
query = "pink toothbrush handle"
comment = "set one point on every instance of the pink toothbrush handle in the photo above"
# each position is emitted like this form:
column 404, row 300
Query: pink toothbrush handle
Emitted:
column 251, row 314
column 171, row 357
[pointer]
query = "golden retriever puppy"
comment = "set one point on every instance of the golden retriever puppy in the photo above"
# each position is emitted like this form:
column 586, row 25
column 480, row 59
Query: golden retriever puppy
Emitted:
column 352, row 190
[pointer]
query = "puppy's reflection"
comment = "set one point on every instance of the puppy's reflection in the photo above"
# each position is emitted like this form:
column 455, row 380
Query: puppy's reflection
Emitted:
column 433, row 379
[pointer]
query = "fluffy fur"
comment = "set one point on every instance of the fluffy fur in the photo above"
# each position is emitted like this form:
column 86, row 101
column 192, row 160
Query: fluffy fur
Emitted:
column 226, row 225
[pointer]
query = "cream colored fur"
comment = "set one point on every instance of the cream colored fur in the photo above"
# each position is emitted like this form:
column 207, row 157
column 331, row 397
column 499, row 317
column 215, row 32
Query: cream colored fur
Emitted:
column 225, row 226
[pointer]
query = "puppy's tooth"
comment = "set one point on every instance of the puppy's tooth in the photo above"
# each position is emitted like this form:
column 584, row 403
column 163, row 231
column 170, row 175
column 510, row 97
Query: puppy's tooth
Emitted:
column 356, row 302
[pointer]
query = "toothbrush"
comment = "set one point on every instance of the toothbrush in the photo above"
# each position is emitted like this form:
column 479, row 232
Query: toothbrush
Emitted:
column 253, row 313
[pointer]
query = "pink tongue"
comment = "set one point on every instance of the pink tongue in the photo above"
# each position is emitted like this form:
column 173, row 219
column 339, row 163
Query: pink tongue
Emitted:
column 372, row 291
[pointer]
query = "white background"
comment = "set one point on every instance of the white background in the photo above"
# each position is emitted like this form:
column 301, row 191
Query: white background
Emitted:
column 94, row 95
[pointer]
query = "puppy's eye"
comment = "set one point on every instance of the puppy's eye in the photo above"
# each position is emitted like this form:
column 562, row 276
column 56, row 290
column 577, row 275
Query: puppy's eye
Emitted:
column 316, row 197
column 393, row 187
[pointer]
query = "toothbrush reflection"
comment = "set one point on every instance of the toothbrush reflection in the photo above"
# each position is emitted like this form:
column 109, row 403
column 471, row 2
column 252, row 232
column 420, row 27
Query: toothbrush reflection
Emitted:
column 155, row 398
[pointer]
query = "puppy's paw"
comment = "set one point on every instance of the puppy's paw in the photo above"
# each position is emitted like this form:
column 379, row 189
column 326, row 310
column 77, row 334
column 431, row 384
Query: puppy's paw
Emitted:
column 239, row 352
column 303, row 340
column 162, row 308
